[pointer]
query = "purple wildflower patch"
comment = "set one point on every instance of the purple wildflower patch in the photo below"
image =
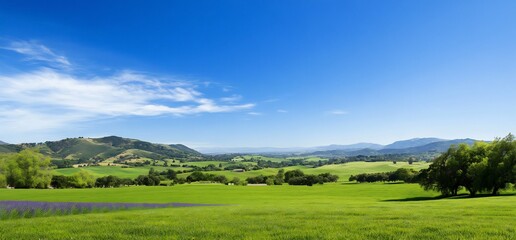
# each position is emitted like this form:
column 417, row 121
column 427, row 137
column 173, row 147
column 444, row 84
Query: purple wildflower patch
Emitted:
column 27, row 209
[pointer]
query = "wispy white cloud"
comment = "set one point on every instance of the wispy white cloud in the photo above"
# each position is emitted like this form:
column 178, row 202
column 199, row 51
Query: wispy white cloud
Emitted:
column 37, row 52
column 231, row 99
column 337, row 112
column 282, row 111
column 255, row 113
column 50, row 98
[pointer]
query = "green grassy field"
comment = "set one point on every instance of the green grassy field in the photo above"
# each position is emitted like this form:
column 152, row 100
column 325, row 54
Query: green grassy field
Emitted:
column 332, row 211
column 216, row 163
column 99, row 171
column 344, row 171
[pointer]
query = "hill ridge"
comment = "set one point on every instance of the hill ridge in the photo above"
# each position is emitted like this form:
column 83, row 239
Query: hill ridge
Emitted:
column 103, row 148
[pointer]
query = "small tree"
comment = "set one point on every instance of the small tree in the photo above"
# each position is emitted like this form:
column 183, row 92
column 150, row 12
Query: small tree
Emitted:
column 278, row 179
column 171, row 174
column 83, row 179
column 292, row 174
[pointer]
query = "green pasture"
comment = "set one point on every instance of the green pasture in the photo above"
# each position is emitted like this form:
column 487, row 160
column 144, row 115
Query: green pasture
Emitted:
column 216, row 163
column 309, row 159
column 344, row 171
column 264, row 158
column 99, row 171
column 330, row 211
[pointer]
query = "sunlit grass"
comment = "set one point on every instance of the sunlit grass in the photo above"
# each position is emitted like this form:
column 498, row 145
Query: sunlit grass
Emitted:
column 333, row 211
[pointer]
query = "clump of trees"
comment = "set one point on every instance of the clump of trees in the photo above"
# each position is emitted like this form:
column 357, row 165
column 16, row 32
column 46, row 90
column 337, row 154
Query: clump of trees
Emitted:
column 199, row 176
column 277, row 179
column 401, row 174
column 293, row 177
column 483, row 167
column 113, row 181
column 81, row 179
column 26, row 169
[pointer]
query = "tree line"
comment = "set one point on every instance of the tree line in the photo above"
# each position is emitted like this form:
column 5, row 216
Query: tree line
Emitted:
column 31, row 169
column 293, row 177
column 401, row 174
column 484, row 167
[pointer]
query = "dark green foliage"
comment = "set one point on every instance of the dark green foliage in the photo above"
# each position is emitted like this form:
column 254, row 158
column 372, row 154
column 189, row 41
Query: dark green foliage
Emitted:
column 279, row 178
column 307, row 180
column 260, row 179
column 147, row 180
column 113, row 181
column 481, row 168
column 328, row 177
column 297, row 177
column 292, row 174
column 60, row 181
column 199, row 176
column 401, row 174
column 171, row 174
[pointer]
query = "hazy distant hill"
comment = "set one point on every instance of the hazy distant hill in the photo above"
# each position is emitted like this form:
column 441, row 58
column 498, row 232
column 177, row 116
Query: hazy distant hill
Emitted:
column 108, row 147
column 291, row 150
column 440, row 146
column 415, row 142
column 2, row 143
column 433, row 147
column 351, row 147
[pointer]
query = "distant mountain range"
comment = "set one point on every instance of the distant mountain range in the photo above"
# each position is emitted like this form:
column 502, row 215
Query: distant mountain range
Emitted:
column 111, row 147
column 350, row 147
column 2, row 143
column 414, row 142
column 410, row 146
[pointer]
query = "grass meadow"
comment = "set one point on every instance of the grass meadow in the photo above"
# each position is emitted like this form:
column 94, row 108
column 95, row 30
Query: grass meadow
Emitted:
column 342, row 170
column 99, row 171
column 331, row 211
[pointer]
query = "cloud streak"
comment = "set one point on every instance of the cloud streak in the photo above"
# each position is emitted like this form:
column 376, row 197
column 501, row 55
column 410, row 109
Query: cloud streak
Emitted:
column 48, row 98
column 37, row 52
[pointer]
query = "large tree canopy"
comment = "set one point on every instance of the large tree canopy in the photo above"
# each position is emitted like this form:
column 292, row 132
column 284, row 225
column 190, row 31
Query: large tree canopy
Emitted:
column 26, row 169
column 483, row 167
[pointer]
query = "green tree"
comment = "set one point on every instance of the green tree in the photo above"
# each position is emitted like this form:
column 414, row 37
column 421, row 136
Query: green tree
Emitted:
column 171, row 174
column 292, row 174
column 3, row 178
column 278, row 179
column 83, row 179
column 438, row 177
column 28, row 169
column 500, row 169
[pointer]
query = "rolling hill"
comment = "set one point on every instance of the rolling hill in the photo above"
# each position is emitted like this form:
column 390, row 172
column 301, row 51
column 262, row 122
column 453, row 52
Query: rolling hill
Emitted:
column 112, row 147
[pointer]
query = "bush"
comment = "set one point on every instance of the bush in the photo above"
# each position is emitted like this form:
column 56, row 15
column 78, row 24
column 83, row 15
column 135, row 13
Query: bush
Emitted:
column 308, row 180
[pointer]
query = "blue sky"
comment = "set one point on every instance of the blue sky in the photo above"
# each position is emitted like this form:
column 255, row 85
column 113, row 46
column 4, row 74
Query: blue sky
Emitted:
column 257, row 73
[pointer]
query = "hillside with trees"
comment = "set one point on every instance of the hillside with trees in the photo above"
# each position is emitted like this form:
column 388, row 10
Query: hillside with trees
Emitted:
column 94, row 150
